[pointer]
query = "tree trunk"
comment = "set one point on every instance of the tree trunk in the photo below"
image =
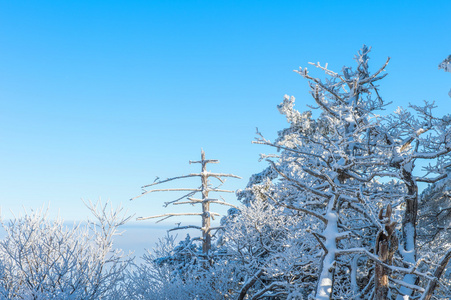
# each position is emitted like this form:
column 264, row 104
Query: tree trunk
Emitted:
column 206, row 233
column 386, row 246
column 326, row 279
column 409, row 232
column 381, row 274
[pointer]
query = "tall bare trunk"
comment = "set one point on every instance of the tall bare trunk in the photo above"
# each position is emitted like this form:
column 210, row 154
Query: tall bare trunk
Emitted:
column 206, row 233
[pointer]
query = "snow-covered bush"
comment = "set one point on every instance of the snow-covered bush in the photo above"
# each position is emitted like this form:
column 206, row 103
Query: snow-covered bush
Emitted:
column 172, row 272
column 153, row 280
column 273, row 251
column 43, row 259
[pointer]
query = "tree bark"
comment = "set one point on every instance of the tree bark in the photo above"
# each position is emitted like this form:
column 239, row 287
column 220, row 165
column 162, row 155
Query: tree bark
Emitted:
column 409, row 232
column 386, row 246
column 206, row 224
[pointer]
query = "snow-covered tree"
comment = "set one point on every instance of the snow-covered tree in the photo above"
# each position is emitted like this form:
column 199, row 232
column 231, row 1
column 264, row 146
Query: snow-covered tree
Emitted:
column 43, row 259
column 354, row 172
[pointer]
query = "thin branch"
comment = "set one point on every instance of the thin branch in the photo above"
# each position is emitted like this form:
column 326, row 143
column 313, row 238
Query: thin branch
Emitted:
column 410, row 286
column 170, row 179
column 431, row 155
column 166, row 190
column 431, row 180
column 209, row 200
column 317, row 237
column 319, row 83
column 180, row 198
column 268, row 143
column 222, row 175
column 205, row 161
column 300, row 185
column 266, row 289
column 323, row 105
column 185, row 227
column 173, row 215
column 373, row 78
column 220, row 191
column 247, row 285
column 217, row 228
column 437, row 274
column 307, row 211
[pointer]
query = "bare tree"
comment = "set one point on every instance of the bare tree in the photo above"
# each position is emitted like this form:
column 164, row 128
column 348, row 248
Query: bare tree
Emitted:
column 205, row 189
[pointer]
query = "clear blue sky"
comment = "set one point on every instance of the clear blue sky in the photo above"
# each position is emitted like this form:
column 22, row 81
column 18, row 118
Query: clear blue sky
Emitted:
column 99, row 97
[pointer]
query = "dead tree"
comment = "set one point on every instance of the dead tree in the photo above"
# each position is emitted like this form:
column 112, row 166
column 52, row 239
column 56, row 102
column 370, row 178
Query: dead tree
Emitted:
column 386, row 246
column 205, row 188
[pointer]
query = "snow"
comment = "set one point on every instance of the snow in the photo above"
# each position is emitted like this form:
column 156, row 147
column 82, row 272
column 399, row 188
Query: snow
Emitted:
column 330, row 233
column 446, row 64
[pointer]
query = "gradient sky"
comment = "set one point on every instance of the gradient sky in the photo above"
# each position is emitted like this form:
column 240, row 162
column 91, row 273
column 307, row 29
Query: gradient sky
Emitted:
column 99, row 97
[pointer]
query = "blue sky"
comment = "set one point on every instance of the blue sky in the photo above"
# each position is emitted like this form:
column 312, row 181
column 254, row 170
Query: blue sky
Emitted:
column 99, row 97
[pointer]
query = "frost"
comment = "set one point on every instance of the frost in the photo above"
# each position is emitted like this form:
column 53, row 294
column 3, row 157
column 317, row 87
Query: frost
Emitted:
column 446, row 66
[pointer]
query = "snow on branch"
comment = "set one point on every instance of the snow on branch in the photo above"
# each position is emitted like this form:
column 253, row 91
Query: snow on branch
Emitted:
column 169, row 179
column 168, row 215
column 209, row 200
column 166, row 190
column 185, row 227
column 301, row 209
column 300, row 185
